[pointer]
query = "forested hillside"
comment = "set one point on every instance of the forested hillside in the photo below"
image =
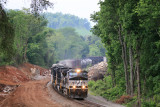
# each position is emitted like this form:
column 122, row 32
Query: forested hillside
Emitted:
column 68, row 44
column 28, row 42
column 34, row 42
column 131, row 33
column 59, row 20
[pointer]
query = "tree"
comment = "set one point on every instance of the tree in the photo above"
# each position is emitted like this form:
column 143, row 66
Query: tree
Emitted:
column 129, row 27
column 6, row 36
column 7, row 30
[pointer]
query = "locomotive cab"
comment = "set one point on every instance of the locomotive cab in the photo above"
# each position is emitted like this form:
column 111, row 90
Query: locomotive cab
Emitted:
column 77, row 74
column 78, row 83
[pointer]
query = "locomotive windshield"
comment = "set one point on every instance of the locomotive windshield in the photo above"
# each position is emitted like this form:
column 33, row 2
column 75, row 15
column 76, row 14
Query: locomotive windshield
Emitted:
column 73, row 74
column 78, row 76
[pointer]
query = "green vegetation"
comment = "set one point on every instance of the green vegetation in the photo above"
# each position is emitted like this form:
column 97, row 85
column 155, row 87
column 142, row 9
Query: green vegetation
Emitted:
column 59, row 20
column 83, row 32
column 130, row 31
column 104, row 88
column 12, row 49
column 29, row 42
column 32, row 41
column 25, row 37
column 6, row 38
column 67, row 44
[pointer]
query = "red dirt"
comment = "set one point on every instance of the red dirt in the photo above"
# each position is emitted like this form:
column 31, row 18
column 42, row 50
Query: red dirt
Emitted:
column 27, row 68
column 10, row 74
column 123, row 99
column 30, row 94
column 12, row 77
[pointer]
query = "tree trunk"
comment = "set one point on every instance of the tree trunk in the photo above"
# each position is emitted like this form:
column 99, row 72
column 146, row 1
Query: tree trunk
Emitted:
column 138, row 76
column 144, row 84
column 124, row 58
column 25, row 54
column 113, row 78
column 131, row 70
column 25, row 51
column 126, row 64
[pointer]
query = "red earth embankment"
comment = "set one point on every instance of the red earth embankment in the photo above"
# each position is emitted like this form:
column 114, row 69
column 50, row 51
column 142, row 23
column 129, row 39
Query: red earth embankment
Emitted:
column 12, row 77
column 10, row 74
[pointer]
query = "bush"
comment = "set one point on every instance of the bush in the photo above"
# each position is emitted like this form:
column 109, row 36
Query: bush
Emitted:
column 113, row 93
column 104, row 88
column 90, row 84
column 148, row 104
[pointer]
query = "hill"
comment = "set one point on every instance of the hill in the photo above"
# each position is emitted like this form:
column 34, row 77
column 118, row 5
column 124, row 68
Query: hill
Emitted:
column 59, row 20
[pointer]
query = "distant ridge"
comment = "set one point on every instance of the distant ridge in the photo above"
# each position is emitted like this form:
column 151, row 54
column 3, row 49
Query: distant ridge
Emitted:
column 59, row 20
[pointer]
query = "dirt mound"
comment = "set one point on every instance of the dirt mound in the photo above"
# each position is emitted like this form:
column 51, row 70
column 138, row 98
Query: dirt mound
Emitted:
column 30, row 69
column 11, row 77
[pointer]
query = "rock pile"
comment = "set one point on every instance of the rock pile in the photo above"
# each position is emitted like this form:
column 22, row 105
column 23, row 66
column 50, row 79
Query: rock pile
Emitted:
column 97, row 71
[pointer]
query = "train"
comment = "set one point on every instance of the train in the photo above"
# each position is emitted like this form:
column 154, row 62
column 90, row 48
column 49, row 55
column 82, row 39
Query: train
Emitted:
column 71, row 82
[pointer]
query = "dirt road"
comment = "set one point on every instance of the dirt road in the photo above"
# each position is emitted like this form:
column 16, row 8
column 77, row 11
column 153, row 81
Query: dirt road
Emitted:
column 30, row 94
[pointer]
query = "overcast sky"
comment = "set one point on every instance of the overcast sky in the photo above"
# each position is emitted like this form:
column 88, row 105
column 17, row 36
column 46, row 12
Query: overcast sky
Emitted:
column 81, row 8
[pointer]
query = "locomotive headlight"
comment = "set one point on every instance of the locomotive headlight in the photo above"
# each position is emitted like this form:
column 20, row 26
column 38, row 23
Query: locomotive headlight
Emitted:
column 83, row 87
column 74, row 86
column 78, row 70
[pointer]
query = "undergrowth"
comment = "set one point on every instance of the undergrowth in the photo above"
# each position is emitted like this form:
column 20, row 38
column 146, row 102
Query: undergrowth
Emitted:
column 117, row 94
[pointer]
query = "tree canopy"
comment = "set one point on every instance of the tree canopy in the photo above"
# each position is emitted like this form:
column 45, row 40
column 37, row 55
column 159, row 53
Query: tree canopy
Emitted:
column 7, row 31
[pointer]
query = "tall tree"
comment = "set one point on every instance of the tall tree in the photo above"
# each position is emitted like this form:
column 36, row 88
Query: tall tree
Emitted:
column 130, row 24
column 7, row 30
column 6, row 36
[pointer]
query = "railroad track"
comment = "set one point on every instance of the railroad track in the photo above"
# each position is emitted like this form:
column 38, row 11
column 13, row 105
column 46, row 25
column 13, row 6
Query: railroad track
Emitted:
column 84, row 102
column 88, row 103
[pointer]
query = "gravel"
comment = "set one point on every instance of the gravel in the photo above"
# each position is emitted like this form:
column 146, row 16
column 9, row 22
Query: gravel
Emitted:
column 100, row 100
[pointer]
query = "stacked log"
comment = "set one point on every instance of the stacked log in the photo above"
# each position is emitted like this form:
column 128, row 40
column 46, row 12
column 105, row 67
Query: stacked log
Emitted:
column 97, row 71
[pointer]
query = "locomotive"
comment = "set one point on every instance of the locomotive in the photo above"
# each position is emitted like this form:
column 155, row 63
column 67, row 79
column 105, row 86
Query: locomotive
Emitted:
column 72, row 82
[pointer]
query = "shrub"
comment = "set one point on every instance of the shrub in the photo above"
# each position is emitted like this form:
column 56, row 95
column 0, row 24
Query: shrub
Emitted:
column 148, row 104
